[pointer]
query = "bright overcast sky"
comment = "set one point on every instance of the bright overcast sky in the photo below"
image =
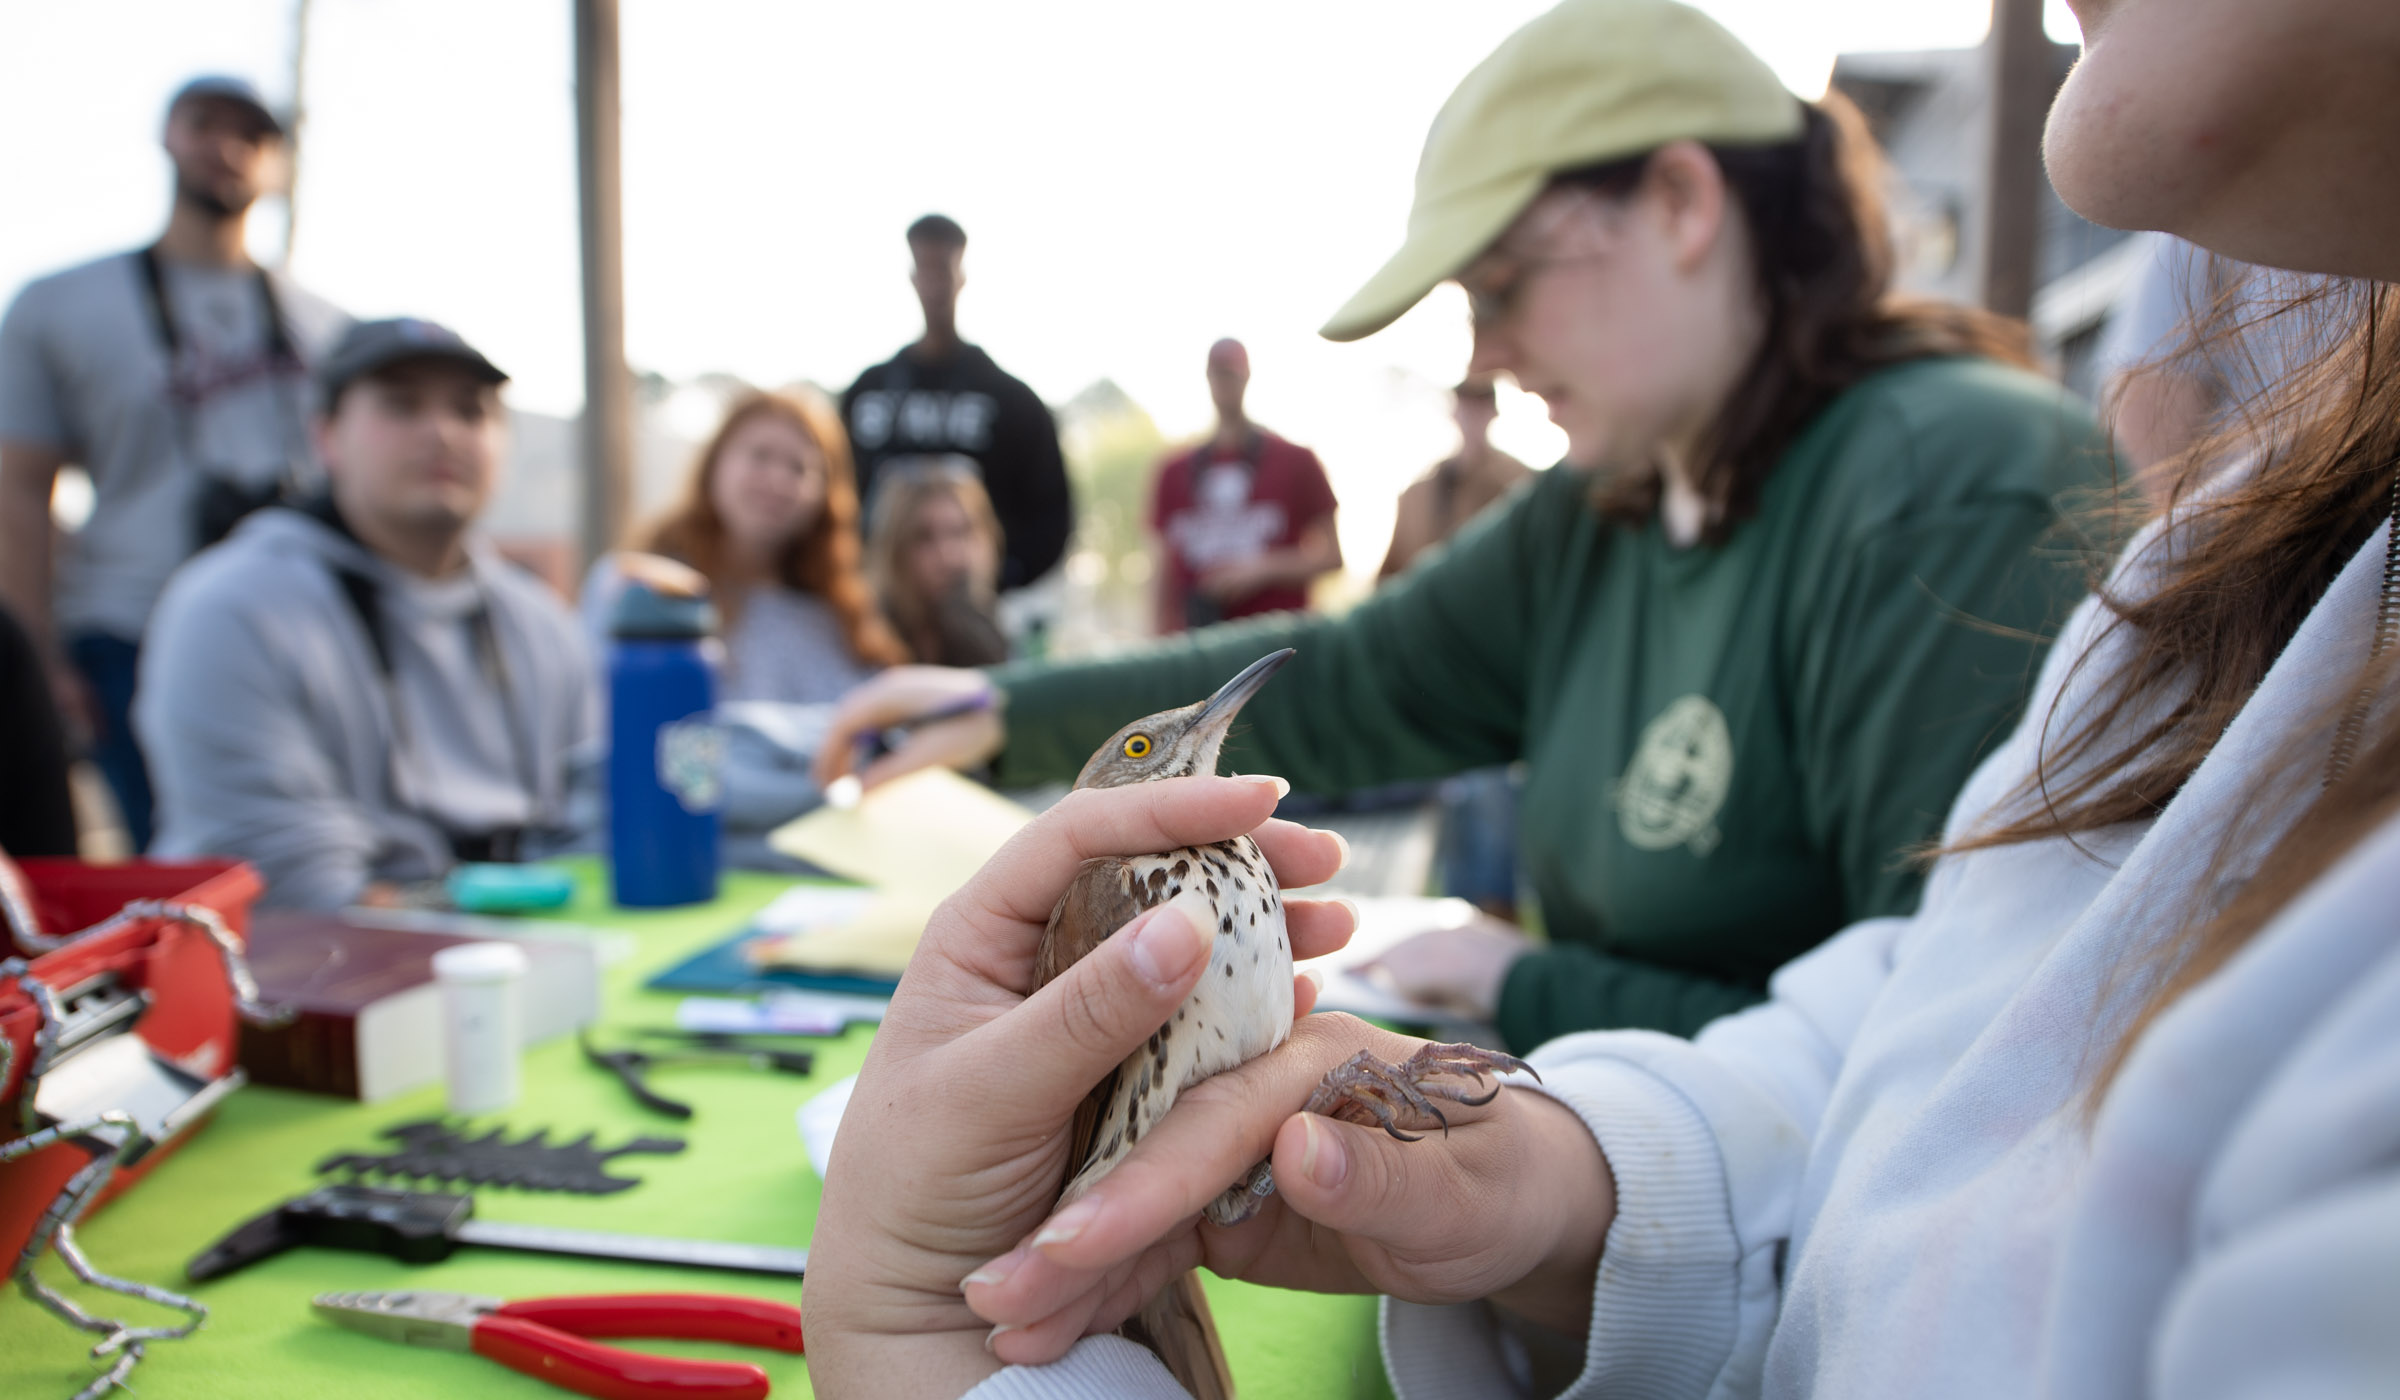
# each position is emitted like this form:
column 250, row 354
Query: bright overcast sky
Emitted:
column 1136, row 180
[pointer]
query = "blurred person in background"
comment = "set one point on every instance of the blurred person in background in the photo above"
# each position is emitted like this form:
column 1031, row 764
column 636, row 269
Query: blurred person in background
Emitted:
column 1475, row 856
column 933, row 554
column 176, row 377
column 941, row 395
column 355, row 692
column 769, row 517
column 1460, row 487
column 1753, row 636
column 1242, row 522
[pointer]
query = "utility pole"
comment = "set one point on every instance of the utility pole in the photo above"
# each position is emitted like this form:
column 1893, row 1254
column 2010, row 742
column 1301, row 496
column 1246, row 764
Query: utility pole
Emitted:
column 293, row 127
column 2017, row 60
column 607, row 386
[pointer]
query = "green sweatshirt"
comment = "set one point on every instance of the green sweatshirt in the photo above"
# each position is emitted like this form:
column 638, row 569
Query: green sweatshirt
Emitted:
column 1729, row 751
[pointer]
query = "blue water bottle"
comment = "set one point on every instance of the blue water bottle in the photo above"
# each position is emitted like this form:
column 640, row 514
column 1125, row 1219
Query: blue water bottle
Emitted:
column 665, row 755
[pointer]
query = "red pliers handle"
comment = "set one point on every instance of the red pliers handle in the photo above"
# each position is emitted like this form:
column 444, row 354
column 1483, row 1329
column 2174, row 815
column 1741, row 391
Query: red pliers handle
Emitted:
column 548, row 1338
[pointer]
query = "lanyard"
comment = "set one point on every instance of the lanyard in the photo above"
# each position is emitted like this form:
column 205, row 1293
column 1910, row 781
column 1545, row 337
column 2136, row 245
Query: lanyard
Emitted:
column 365, row 596
column 283, row 360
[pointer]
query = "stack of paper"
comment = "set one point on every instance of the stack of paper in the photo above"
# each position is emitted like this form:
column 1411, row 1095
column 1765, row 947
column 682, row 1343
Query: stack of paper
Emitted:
column 914, row 841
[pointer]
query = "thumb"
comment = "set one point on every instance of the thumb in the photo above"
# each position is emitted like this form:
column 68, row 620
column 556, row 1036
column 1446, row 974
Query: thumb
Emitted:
column 1345, row 1177
column 1097, row 1012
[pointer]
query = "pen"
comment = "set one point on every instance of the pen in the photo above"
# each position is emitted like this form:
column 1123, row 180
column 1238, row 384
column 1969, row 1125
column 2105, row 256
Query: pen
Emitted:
column 845, row 791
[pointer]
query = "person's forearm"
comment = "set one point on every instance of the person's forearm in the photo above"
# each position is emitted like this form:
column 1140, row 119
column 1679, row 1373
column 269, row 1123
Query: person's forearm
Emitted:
column 1294, row 565
column 1570, row 987
column 1581, row 1198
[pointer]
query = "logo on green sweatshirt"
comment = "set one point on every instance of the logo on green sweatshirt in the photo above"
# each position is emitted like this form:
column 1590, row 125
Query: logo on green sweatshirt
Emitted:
column 1677, row 780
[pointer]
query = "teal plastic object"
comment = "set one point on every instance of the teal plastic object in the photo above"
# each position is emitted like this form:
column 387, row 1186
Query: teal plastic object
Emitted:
column 510, row 889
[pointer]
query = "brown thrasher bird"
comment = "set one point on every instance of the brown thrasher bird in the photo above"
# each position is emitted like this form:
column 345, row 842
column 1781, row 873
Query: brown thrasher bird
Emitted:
column 1242, row 1007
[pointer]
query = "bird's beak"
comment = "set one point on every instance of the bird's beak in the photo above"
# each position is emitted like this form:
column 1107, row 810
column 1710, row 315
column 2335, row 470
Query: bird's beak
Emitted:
column 1221, row 707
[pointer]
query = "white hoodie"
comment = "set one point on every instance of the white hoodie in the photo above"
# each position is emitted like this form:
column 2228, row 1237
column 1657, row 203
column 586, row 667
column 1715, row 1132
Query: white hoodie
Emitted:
column 269, row 725
column 1880, row 1182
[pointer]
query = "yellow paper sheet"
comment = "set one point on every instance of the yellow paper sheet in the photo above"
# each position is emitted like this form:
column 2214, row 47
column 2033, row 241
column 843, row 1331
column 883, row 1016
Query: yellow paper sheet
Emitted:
column 877, row 943
column 921, row 835
column 916, row 840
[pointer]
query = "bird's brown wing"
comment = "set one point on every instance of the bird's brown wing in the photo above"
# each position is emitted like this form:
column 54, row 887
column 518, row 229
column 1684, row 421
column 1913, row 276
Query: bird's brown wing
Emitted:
column 1102, row 898
column 1178, row 1326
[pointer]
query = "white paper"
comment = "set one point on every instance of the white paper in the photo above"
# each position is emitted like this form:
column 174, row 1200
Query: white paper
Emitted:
column 818, row 1119
column 1384, row 922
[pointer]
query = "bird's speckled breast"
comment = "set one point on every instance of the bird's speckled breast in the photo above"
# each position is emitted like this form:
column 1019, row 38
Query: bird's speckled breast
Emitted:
column 1241, row 1009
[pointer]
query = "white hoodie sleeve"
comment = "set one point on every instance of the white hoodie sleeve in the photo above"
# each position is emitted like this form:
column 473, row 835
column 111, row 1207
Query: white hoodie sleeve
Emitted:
column 1707, row 1140
column 1098, row 1368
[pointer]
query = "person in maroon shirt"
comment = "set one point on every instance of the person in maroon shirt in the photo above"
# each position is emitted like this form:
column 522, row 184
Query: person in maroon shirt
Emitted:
column 1244, row 520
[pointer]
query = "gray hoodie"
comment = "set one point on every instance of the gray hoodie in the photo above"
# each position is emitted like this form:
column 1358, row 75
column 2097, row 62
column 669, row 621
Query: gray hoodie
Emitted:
column 269, row 722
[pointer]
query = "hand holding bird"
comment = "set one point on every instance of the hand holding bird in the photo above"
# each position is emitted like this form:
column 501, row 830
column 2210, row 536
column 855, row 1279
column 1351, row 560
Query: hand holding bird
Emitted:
column 1509, row 1201
column 954, row 1145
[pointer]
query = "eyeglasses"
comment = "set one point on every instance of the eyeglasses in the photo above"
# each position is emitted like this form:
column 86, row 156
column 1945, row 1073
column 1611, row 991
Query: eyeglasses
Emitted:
column 1492, row 298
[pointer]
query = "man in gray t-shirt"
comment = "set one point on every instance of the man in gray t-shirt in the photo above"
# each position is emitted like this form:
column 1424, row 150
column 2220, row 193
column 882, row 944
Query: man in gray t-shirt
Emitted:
column 177, row 378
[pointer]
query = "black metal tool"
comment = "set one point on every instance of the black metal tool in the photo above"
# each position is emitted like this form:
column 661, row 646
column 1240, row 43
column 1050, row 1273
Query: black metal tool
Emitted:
column 420, row 1227
column 433, row 1151
column 632, row 1066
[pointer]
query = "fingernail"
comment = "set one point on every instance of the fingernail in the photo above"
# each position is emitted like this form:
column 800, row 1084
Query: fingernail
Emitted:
column 1321, row 1157
column 1345, row 845
column 994, row 1335
column 1356, row 918
column 997, row 1271
column 1067, row 1224
column 1282, row 788
column 1165, row 946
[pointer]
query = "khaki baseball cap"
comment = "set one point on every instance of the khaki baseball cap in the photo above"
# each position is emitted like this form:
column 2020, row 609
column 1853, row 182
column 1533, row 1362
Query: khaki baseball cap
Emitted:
column 1588, row 82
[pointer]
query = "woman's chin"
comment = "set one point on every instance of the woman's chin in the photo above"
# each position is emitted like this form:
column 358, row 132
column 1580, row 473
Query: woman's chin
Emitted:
column 1586, row 449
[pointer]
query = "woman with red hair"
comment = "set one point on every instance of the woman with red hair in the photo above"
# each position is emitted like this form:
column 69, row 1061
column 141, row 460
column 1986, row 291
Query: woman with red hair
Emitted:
column 771, row 518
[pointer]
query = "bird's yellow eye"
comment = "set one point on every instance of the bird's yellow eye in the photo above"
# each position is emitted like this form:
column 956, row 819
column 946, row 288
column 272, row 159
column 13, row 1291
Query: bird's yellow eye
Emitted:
column 1138, row 746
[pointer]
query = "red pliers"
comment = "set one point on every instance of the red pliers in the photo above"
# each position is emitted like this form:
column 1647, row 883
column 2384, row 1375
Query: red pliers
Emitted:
column 548, row 1338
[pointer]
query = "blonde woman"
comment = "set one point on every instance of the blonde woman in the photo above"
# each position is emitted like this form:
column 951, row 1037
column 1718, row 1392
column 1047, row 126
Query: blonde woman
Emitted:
column 933, row 556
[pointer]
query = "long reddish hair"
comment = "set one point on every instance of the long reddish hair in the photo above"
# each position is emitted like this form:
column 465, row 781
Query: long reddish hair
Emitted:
column 822, row 560
column 2244, row 562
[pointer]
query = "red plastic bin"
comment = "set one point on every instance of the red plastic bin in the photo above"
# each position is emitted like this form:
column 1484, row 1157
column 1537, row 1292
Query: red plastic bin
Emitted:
column 190, row 1020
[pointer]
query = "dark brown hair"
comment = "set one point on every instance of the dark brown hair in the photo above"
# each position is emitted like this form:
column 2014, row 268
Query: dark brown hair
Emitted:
column 822, row 559
column 1823, row 249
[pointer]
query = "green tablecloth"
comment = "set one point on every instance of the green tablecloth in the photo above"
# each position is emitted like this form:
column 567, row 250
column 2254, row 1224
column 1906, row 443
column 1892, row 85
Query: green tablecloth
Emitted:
column 744, row 1177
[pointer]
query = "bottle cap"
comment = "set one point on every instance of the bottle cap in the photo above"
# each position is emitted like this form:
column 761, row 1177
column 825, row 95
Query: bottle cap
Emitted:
column 479, row 962
column 662, row 600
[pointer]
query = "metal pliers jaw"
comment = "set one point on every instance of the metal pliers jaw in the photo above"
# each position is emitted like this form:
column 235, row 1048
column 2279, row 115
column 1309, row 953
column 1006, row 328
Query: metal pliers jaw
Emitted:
column 442, row 1320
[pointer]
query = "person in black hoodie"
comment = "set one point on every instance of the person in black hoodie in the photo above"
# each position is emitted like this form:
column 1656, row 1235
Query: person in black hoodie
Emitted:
column 941, row 395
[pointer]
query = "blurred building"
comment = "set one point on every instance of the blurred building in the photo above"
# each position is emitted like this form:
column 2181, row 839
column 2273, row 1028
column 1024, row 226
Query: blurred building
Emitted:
column 534, row 516
column 1931, row 110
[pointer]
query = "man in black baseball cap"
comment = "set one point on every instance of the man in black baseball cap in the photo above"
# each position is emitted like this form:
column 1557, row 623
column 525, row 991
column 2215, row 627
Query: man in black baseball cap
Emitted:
column 240, row 92
column 355, row 692
column 373, row 346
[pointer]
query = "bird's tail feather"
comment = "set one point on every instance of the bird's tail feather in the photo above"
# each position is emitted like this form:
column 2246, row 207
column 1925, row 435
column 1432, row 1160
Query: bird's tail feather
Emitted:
column 1176, row 1324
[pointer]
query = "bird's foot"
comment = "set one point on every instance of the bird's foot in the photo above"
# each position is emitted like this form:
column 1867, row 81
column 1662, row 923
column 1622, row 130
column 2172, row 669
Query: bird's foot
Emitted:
column 1399, row 1098
column 1372, row 1093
